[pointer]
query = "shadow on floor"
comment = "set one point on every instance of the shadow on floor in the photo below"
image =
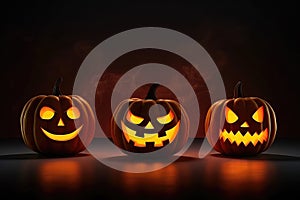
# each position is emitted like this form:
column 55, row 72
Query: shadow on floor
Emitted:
column 28, row 156
column 266, row 157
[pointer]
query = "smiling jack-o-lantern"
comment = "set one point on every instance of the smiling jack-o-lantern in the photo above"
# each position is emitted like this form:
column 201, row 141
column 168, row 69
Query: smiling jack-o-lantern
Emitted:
column 241, row 125
column 146, row 125
column 57, row 124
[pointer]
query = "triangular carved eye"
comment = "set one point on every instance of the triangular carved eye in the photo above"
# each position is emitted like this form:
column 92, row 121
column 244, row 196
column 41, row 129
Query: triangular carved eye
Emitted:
column 133, row 118
column 231, row 117
column 259, row 114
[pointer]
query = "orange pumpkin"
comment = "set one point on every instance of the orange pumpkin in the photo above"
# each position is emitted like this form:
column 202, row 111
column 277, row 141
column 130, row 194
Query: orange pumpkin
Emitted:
column 57, row 124
column 240, row 125
column 147, row 125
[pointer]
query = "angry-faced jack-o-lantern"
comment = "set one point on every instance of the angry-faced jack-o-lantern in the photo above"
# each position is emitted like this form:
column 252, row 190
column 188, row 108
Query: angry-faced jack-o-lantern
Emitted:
column 146, row 125
column 241, row 125
column 57, row 124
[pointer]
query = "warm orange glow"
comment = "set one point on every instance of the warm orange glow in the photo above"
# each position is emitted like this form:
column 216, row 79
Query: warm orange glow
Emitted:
column 73, row 113
column 168, row 179
column 239, row 175
column 150, row 137
column 245, row 125
column 64, row 137
column 238, row 138
column 60, row 122
column 46, row 113
column 59, row 174
column 133, row 118
column 259, row 115
column 237, row 178
column 231, row 117
column 166, row 119
column 149, row 126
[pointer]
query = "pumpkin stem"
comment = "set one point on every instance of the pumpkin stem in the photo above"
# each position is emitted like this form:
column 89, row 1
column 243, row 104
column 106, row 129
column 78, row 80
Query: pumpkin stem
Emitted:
column 238, row 92
column 151, row 92
column 56, row 88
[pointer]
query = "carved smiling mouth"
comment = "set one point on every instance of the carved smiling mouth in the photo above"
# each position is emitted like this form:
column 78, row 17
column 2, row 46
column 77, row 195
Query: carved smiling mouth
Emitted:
column 238, row 138
column 150, row 137
column 64, row 137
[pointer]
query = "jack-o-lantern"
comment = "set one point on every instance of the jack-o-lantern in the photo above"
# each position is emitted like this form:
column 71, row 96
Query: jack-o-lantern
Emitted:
column 241, row 125
column 57, row 124
column 146, row 125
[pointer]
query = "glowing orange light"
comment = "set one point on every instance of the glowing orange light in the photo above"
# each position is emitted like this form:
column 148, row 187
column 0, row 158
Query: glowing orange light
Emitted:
column 238, row 138
column 259, row 115
column 150, row 137
column 133, row 118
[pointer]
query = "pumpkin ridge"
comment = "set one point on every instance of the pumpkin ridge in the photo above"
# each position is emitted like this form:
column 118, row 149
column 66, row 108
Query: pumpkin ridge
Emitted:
column 246, row 135
column 33, row 119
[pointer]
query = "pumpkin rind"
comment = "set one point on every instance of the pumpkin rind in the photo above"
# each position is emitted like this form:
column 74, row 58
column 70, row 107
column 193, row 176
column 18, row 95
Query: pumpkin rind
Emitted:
column 141, row 108
column 249, row 141
column 32, row 124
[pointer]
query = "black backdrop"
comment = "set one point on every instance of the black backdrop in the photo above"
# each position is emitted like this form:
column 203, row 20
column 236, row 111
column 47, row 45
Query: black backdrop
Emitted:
column 253, row 41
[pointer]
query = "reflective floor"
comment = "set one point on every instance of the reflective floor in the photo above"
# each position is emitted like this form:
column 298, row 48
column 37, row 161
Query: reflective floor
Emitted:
column 275, row 172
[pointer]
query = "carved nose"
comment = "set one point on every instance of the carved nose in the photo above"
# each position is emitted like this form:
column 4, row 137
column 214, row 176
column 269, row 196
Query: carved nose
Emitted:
column 60, row 123
column 245, row 125
column 149, row 126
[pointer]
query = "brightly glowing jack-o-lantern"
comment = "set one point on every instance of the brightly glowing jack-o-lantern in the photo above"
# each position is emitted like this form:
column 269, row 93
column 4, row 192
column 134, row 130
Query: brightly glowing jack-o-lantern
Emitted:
column 241, row 125
column 146, row 125
column 57, row 124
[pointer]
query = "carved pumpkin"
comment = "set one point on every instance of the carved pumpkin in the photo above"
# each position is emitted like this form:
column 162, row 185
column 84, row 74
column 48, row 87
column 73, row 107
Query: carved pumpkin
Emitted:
column 57, row 124
column 146, row 125
column 241, row 125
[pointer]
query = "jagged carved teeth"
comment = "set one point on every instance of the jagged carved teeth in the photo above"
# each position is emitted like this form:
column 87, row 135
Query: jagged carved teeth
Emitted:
column 238, row 138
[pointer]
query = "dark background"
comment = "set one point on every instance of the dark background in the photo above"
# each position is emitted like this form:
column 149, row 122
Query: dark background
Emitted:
column 253, row 41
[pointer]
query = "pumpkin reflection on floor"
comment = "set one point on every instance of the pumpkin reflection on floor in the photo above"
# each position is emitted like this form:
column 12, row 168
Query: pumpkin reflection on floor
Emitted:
column 135, row 183
column 51, row 174
column 57, row 176
column 239, row 177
